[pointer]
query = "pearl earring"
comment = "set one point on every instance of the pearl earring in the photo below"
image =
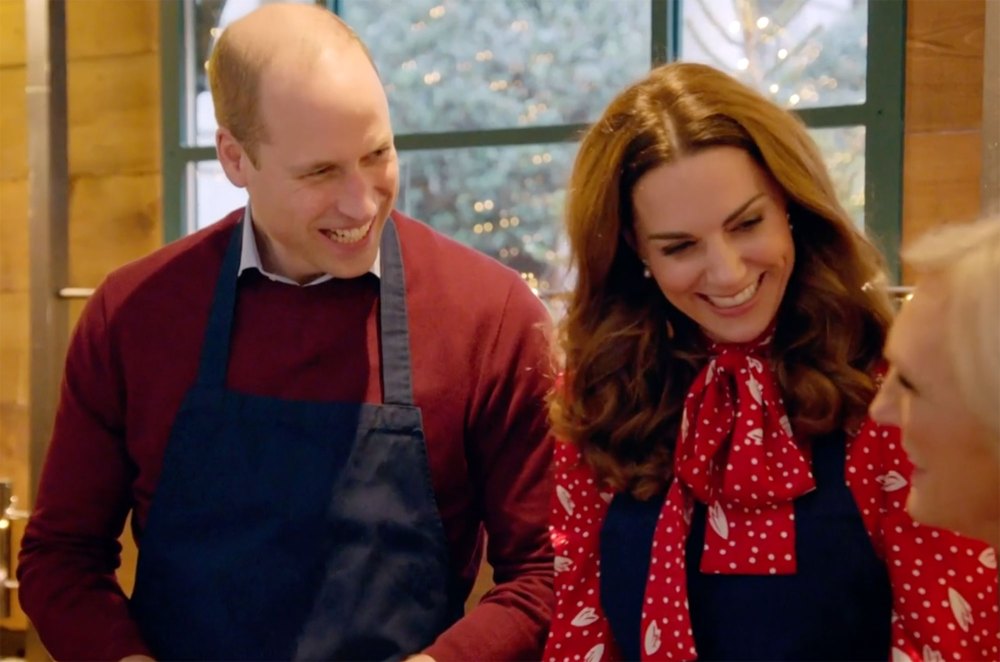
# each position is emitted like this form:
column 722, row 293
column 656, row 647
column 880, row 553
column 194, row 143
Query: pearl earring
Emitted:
column 646, row 273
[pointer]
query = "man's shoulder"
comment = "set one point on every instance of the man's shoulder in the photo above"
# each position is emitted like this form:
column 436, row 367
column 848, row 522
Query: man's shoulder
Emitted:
column 439, row 260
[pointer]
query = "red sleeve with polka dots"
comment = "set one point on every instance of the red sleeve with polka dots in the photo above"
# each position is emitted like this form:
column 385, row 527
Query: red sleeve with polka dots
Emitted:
column 944, row 586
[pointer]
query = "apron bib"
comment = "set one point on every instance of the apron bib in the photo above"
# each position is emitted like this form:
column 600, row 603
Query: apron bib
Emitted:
column 295, row 529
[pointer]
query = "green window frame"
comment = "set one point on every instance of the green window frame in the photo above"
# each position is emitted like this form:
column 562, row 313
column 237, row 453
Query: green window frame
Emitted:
column 881, row 115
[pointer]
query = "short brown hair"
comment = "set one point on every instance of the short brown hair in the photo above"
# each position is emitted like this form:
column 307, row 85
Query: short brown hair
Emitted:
column 236, row 66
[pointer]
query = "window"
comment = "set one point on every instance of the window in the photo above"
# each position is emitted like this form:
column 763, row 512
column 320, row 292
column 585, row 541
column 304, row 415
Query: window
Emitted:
column 489, row 98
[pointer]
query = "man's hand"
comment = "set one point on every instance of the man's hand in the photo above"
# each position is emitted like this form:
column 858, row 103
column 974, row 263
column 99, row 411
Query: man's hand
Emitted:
column 420, row 657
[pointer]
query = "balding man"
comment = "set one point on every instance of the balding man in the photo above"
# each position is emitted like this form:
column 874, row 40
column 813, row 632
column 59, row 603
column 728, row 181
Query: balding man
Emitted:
column 312, row 409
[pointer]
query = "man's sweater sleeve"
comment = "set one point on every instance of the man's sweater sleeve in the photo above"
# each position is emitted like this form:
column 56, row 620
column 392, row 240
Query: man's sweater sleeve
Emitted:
column 70, row 551
column 510, row 453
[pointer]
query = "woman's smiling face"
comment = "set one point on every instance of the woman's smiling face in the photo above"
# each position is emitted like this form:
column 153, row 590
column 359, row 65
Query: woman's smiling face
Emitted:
column 713, row 229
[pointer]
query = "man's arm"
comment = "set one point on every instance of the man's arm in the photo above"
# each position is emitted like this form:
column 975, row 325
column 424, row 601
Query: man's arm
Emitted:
column 70, row 551
column 510, row 455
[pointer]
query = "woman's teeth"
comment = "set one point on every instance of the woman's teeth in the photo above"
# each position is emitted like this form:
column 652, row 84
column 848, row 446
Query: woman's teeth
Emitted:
column 349, row 236
column 739, row 298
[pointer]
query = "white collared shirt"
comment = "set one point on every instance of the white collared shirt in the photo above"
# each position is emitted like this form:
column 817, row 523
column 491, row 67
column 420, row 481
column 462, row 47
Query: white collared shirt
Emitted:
column 250, row 258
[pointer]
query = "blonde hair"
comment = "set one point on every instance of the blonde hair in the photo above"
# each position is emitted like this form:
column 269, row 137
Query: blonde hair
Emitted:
column 967, row 258
column 630, row 356
column 237, row 63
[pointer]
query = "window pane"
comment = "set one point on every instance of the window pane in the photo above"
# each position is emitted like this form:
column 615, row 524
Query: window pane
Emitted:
column 452, row 65
column 504, row 201
column 210, row 195
column 801, row 53
column 844, row 152
column 203, row 21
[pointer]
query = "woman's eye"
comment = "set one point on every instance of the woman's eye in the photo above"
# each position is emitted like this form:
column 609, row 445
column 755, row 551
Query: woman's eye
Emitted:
column 749, row 223
column 675, row 249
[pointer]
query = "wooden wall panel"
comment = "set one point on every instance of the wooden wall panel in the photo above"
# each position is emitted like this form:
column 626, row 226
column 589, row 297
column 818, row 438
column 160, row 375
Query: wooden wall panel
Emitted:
column 942, row 179
column 114, row 115
column 944, row 63
column 101, row 28
column 14, row 336
column 14, row 331
column 11, row 33
column 13, row 124
column 13, row 237
column 942, row 156
column 14, row 339
column 115, row 221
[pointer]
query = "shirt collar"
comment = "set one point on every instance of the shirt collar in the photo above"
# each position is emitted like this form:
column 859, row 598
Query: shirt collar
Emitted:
column 250, row 258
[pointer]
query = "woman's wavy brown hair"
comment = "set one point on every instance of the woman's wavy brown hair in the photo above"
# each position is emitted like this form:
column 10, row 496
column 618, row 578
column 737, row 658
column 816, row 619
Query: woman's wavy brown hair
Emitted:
column 630, row 357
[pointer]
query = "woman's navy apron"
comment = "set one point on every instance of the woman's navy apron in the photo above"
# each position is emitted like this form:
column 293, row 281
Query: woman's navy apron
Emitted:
column 295, row 529
column 838, row 606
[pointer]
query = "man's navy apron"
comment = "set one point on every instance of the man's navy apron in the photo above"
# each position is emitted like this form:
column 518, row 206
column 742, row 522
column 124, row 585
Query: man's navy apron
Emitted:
column 295, row 529
column 838, row 606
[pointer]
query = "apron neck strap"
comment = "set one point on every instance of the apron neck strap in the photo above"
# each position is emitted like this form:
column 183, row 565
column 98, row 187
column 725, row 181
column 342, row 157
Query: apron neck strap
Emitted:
column 395, row 336
column 395, row 340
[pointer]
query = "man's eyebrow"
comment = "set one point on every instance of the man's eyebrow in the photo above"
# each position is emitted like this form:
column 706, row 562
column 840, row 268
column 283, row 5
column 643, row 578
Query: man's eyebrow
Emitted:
column 313, row 167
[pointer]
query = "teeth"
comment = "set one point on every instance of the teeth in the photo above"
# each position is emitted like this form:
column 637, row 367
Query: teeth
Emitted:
column 349, row 236
column 737, row 299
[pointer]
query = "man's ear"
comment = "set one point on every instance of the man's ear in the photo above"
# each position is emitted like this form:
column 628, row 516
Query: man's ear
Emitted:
column 234, row 159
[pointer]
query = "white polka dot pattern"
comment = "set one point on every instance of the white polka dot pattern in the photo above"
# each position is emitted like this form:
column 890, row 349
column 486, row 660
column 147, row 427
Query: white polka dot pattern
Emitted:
column 927, row 621
column 945, row 593
column 738, row 455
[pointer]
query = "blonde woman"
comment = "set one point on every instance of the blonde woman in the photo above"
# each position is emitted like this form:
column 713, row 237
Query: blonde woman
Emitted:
column 720, row 490
column 943, row 389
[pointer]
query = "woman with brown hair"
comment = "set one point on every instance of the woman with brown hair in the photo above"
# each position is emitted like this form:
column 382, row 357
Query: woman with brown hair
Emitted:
column 721, row 492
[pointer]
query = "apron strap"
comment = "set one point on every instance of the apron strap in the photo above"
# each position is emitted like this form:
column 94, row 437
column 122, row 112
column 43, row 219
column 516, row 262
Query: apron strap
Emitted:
column 395, row 339
column 215, row 349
